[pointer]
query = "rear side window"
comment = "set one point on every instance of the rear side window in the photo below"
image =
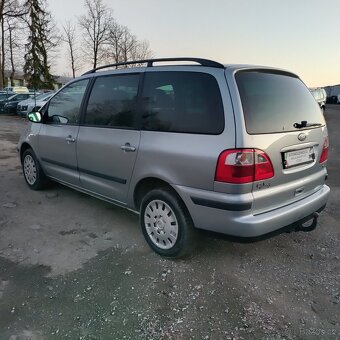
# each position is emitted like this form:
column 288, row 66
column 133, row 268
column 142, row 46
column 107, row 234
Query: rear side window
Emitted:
column 113, row 101
column 188, row 102
column 273, row 102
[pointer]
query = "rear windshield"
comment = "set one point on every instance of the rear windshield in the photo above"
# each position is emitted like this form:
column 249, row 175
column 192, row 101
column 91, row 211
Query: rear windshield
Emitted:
column 274, row 102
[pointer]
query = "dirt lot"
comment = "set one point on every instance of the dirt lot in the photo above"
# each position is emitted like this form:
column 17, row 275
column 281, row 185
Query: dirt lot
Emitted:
column 74, row 267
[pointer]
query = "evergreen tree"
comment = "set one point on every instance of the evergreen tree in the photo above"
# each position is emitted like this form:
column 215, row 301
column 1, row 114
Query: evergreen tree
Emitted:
column 41, row 40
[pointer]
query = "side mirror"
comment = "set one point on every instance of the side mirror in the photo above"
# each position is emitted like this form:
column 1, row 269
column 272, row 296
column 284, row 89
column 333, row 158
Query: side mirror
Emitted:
column 34, row 117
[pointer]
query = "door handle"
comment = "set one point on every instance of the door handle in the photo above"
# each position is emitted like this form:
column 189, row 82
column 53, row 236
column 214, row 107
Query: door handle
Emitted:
column 70, row 139
column 127, row 147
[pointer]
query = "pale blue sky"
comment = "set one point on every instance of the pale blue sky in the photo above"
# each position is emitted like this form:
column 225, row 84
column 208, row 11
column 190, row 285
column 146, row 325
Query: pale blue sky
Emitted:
column 300, row 35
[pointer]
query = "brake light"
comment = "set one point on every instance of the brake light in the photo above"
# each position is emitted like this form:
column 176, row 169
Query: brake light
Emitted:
column 324, row 153
column 243, row 166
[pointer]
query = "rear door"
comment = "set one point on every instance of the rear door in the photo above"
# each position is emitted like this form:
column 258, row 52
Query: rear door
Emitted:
column 282, row 119
column 108, row 139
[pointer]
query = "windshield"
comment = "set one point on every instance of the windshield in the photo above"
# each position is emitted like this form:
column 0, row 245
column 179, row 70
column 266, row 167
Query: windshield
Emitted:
column 12, row 97
column 43, row 96
column 274, row 102
column 3, row 96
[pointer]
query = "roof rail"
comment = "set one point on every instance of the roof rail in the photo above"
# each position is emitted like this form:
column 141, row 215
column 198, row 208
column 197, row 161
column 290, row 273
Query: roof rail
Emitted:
column 149, row 63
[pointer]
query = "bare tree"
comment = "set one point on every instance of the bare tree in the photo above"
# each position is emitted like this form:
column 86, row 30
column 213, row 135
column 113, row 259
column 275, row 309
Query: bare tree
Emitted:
column 103, row 39
column 70, row 38
column 127, row 44
column 13, row 44
column 2, row 75
column 123, row 46
column 95, row 25
column 8, row 9
column 113, row 49
column 141, row 51
column 2, row 60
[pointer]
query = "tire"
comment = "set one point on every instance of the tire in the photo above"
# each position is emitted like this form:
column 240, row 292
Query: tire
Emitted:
column 166, row 224
column 33, row 173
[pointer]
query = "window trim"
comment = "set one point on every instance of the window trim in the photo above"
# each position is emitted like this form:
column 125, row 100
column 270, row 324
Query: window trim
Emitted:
column 139, row 103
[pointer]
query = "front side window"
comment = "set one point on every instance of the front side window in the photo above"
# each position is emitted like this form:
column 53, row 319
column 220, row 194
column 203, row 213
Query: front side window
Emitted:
column 187, row 102
column 112, row 102
column 64, row 108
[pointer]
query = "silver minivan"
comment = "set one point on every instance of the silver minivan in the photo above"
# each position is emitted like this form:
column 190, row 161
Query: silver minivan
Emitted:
column 239, row 150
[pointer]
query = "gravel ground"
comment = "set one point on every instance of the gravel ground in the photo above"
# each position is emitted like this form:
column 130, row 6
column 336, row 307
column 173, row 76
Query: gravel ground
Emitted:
column 73, row 267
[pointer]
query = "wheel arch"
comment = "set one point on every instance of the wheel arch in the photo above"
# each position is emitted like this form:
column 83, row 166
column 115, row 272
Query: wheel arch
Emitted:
column 24, row 146
column 149, row 183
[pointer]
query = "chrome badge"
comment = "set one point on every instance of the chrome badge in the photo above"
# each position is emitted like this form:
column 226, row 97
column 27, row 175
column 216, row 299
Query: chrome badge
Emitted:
column 302, row 137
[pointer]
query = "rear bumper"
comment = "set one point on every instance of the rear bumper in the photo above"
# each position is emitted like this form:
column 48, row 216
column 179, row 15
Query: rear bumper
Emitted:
column 232, row 215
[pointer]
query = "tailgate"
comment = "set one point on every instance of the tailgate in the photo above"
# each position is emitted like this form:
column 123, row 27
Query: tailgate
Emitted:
column 282, row 119
column 297, row 171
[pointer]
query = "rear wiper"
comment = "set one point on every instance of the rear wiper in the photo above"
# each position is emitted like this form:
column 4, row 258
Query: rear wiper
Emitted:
column 313, row 124
column 304, row 124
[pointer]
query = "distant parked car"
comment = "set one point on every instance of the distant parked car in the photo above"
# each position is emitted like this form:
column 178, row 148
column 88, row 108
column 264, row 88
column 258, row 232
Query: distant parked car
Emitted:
column 338, row 99
column 16, row 89
column 10, row 105
column 22, row 106
column 35, row 106
column 332, row 100
column 5, row 95
column 320, row 96
column 32, row 104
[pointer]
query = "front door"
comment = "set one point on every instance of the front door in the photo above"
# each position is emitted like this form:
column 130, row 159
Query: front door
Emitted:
column 58, row 135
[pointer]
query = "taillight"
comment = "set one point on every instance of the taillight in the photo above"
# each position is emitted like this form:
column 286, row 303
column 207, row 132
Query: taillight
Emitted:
column 243, row 166
column 324, row 153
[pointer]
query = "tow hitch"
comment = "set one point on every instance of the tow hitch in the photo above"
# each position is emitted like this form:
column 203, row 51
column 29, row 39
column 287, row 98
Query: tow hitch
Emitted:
column 308, row 224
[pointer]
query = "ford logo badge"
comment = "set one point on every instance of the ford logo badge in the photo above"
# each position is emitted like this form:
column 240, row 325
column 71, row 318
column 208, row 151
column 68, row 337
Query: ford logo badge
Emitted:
column 302, row 137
